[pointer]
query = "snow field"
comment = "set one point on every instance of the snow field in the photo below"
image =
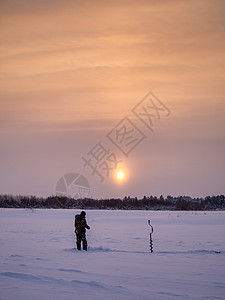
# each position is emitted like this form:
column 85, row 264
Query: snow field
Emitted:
column 39, row 259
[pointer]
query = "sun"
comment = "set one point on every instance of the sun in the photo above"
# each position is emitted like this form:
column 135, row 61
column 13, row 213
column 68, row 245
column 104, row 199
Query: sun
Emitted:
column 120, row 176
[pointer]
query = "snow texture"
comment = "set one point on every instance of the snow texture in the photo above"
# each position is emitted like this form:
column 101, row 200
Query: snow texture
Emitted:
column 39, row 259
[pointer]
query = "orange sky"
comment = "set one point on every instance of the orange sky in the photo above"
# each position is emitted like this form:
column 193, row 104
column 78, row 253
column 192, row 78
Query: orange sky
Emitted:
column 71, row 70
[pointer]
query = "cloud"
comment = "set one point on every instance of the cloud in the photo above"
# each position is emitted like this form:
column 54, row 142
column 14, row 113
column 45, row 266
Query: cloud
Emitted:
column 77, row 67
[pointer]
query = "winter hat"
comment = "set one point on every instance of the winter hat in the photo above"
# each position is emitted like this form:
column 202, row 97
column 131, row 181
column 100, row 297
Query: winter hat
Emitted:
column 83, row 213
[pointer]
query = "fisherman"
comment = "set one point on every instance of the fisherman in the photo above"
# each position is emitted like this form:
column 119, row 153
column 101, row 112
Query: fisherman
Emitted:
column 80, row 230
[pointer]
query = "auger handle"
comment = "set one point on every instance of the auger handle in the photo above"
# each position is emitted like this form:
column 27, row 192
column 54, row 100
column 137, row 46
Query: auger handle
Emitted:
column 149, row 223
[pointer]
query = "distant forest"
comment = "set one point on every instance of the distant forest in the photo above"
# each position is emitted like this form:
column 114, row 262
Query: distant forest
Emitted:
column 128, row 203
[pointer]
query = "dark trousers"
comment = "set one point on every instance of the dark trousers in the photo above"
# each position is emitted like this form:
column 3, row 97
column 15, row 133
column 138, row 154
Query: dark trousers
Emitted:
column 81, row 236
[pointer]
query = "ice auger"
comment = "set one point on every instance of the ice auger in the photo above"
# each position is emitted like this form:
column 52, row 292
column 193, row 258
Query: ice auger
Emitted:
column 150, row 237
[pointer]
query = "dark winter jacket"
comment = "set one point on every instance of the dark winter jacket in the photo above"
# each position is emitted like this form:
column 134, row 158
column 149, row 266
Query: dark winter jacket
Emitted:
column 80, row 224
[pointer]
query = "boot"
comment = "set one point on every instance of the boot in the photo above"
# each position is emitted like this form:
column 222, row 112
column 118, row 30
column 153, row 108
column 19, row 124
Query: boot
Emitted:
column 85, row 246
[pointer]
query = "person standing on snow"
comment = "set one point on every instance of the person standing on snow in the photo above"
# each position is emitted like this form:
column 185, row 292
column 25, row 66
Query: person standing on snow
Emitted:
column 80, row 230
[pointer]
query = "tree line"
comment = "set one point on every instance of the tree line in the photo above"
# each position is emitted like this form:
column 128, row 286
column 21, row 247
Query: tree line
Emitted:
column 127, row 203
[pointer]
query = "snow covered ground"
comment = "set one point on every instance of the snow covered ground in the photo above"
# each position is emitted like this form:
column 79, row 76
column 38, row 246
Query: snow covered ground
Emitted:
column 38, row 259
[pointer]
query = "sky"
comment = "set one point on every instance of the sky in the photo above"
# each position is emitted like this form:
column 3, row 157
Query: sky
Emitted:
column 89, row 88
